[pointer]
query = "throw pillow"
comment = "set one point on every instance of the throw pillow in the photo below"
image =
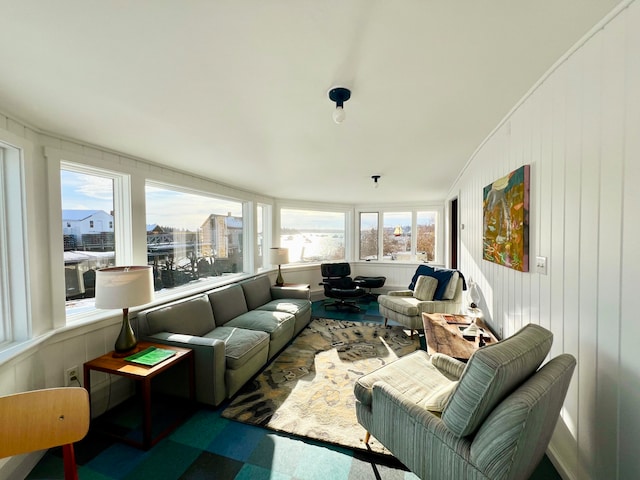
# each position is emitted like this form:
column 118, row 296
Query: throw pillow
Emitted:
column 439, row 398
column 425, row 288
column 450, row 291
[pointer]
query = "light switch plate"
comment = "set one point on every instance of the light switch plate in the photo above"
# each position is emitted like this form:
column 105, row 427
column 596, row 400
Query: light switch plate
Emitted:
column 541, row 265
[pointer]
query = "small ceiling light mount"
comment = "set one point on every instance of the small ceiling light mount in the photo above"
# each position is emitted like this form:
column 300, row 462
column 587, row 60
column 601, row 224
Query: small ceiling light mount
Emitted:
column 339, row 95
column 375, row 179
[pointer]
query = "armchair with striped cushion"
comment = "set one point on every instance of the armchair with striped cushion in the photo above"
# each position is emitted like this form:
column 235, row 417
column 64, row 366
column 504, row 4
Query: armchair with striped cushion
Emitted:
column 489, row 419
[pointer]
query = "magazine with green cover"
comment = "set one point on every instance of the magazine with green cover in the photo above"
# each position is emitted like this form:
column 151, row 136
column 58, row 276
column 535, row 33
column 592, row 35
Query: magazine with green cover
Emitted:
column 151, row 356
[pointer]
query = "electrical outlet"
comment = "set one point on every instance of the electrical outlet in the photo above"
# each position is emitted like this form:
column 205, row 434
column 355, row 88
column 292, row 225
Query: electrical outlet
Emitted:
column 71, row 376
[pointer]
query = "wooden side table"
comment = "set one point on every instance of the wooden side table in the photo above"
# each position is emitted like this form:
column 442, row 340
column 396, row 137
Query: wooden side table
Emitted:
column 443, row 334
column 142, row 374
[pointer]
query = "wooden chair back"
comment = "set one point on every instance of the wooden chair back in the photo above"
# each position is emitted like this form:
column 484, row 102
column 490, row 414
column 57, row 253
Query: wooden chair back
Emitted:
column 43, row 419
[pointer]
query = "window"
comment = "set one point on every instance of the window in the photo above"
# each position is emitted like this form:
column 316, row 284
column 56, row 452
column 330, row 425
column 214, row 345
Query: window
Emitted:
column 368, row 235
column 89, row 240
column 410, row 235
column 396, row 235
column 191, row 236
column 15, row 320
column 312, row 236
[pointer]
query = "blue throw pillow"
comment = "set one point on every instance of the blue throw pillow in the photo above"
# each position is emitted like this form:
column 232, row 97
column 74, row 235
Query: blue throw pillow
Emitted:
column 443, row 275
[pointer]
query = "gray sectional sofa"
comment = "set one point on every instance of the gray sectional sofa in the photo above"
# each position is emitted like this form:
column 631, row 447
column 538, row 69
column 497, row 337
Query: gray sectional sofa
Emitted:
column 233, row 330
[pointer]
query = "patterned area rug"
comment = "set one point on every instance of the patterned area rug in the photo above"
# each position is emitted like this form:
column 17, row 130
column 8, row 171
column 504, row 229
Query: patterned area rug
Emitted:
column 308, row 389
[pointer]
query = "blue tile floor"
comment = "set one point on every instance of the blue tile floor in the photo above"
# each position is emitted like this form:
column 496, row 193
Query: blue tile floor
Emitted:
column 208, row 446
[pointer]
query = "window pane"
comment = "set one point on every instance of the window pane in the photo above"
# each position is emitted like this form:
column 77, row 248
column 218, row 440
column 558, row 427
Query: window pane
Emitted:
column 191, row 236
column 88, row 233
column 426, row 241
column 369, row 236
column 312, row 236
column 396, row 240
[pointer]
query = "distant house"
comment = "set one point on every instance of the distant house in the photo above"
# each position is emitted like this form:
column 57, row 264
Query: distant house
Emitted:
column 221, row 236
column 87, row 230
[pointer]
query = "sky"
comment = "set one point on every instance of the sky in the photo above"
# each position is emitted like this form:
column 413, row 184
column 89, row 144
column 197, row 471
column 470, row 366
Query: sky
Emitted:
column 164, row 207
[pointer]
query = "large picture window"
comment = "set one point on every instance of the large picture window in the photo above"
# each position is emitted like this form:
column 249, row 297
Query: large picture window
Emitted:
column 191, row 236
column 312, row 235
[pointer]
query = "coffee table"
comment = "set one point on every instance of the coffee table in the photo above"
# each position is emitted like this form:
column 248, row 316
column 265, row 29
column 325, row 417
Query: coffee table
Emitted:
column 116, row 365
column 443, row 334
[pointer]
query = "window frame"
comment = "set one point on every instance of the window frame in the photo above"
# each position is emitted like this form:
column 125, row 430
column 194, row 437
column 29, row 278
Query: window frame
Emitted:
column 121, row 217
column 15, row 301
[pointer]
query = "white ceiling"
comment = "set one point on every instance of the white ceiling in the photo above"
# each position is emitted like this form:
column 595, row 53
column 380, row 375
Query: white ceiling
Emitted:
column 237, row 90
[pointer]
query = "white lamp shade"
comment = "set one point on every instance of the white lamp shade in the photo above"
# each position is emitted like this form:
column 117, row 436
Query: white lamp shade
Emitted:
column 279, row 256
column 124, row 287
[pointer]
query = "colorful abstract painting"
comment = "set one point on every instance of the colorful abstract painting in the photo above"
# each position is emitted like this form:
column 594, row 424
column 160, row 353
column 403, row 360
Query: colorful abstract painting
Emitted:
column 505, row 209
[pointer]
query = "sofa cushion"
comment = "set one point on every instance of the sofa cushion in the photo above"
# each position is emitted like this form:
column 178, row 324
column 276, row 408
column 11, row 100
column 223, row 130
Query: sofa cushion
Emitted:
column 191, row 317
column 437, row 400
column 401, row 374
column 240, row 345
column 279, row 325
column 425, row 288
column 227, row 303
column 407, row 306
column 257, row 291
column 262, row 320
column 293, row 306
column 492, row 373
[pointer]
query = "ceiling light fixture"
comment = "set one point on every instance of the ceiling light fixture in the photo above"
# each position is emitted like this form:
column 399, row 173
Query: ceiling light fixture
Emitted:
column 339, row 95
column 375, row 180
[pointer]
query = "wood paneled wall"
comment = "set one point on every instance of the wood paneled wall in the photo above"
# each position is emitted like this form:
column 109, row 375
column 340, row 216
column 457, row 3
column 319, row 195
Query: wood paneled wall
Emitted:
column 579, row 129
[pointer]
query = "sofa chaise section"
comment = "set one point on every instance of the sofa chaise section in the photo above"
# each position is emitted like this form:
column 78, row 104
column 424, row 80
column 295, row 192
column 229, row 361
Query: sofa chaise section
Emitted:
column 234, row 331
column 225, row 357
column 230, row 309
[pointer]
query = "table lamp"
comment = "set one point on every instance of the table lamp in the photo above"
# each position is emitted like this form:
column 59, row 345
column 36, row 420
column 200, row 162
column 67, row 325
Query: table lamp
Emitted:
column 124, row 287
column 279, row 256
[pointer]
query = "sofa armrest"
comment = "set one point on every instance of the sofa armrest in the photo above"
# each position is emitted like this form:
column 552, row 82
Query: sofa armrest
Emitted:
column 448, row 365
column 210, row 363
column 280, row 293
column 401, row 293
column 416, row 436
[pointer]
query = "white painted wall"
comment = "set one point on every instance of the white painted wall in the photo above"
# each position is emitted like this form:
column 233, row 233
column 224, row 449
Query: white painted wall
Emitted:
column 579, row 129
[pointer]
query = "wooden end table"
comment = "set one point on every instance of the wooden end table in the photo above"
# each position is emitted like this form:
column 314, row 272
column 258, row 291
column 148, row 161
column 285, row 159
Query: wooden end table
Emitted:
column 443, row 334
column 116, row 365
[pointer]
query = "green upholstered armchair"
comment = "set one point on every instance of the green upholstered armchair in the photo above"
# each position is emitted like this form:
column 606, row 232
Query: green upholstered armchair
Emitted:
column 432, row 290
column 491, row 418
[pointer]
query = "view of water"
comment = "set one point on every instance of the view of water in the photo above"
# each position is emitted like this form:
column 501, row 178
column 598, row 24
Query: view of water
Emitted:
column 314, row 246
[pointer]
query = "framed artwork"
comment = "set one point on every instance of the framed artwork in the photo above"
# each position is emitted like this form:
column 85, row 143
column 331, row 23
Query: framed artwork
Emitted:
column 505, row 209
